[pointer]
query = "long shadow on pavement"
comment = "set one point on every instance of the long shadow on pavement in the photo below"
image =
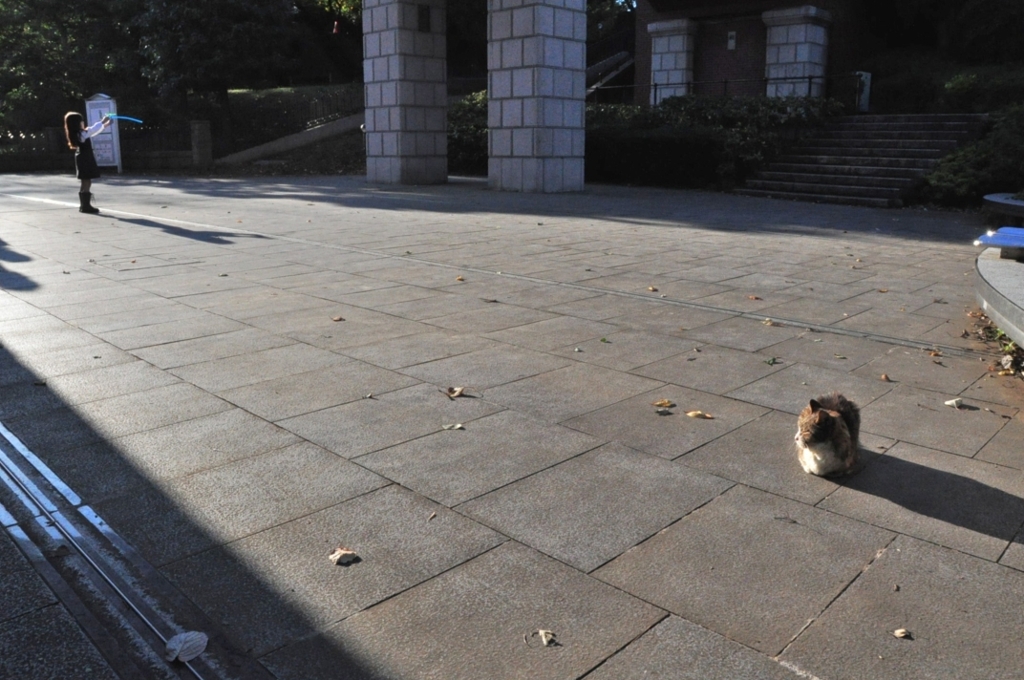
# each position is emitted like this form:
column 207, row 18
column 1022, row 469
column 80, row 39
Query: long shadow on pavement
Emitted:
column 97, row 471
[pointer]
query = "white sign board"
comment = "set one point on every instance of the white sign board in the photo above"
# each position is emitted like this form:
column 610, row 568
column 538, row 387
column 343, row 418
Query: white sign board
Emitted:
column 106, row 146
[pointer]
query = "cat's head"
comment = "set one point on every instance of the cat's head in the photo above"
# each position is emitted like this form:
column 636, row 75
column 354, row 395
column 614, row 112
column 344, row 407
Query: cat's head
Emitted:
column 816, row 424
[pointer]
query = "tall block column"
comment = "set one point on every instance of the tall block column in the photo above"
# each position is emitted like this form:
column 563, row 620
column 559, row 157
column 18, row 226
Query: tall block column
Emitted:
column 797, row 51
column 672, row 44
column 536, row 60
column 404, row 71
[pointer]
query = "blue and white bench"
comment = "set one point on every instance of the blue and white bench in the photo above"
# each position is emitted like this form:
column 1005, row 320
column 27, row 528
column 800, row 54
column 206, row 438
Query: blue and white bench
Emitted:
column 1009, row 240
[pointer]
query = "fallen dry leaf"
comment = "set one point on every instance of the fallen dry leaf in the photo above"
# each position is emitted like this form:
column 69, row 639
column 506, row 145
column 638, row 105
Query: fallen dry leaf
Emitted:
column 453, row 392
column 753, row 297
column 337, row 318
column 769, row 322
column 456, row 426
column 902, row 633
column 664, row 403
column 186, row 646
column 885, row 377
column 663, row 412
column 605, row 340
column 432, row 516
column 343, row 555
column 700, row 414
column 838, row 356
column 955, row 403
column 965, row 334
column 652, row 289
column 459, row 278
column 771, row 361
column 883, row 290
column 547, row 637
column 1006, row 371
column 934, row 353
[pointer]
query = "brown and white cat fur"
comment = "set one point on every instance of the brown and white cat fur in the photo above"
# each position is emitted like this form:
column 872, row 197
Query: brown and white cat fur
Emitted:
column 826, row 435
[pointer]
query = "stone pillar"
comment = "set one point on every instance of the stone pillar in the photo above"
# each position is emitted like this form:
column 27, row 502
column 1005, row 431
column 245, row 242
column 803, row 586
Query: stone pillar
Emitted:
column 404, row 71
column 536, row 85
column 797, row 51
column 672, row 44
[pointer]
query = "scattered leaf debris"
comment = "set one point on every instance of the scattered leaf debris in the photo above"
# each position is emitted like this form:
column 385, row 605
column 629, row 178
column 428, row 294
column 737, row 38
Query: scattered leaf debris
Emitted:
column 883, row 290
column 700, row 415
column 547, row 637
column 903, row 634
column 885, row 377
column 337, row 318
column 664, row 403
column 753, row 297
column 771, row 361
column 577, row 349
column 769, row 322
column 490, row 300
column 606, row 340
column 663, row 412
column 343, row 555
column 652, row 289
column 838, row 356
column 456, row 426
column 432, row 516
column 895, row 587
column 453, row 392
column 955, row 403
column 460, row 278
column 934, row 353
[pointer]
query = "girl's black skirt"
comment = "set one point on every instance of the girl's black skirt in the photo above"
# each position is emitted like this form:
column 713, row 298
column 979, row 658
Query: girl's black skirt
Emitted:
column 85, row 162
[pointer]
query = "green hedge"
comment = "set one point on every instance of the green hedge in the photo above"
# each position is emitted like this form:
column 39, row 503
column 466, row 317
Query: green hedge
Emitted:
column 684, row 142
column 993, row 164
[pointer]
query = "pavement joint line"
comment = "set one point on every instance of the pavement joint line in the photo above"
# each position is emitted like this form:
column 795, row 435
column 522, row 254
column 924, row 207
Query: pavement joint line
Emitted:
column 818, row 328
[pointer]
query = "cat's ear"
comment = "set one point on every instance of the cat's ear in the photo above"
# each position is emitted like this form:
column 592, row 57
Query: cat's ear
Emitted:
column 815, row 406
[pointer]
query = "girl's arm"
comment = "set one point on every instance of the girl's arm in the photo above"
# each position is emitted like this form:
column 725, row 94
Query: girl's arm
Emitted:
column 94, row 129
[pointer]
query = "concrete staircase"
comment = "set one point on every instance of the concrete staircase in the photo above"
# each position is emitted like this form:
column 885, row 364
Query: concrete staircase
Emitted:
column 870, row 160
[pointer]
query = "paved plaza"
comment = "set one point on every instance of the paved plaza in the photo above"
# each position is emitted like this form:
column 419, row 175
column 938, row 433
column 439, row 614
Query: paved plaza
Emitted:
column 237, row 376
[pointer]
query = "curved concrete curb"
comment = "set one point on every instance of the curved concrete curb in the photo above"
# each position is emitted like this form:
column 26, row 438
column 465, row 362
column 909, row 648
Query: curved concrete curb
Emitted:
column 1005, row 205
column 999, row 288
column 296, row 141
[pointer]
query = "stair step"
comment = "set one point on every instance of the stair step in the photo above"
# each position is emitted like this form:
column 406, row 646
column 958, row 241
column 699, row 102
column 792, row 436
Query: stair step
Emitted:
column 848, row 170
column 872, row 161
column 824, row 198
column 802, row 150
column 828, row 189
column 884, row 182
column 915, row 118
column 943, row 145
column 896, row 127
column 888, row 135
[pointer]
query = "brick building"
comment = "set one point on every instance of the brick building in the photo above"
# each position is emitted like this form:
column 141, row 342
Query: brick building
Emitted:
column 747, row 47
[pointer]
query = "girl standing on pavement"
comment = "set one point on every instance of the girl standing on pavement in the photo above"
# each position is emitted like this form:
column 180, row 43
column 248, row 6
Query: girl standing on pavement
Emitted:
column 79, row 138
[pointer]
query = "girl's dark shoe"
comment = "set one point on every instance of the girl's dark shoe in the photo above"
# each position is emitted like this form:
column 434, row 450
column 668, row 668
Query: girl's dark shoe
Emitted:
column 85, row 203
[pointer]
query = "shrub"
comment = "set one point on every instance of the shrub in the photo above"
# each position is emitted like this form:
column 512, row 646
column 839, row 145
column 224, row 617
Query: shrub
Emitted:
column 993, row 164
column 467, row 135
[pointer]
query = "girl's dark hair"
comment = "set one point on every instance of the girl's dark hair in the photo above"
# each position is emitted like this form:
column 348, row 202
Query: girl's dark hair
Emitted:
column 73, row 128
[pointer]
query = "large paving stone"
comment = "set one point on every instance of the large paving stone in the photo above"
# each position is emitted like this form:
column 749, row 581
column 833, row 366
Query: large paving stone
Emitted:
column 210, row 347
column 602, row 307
column 109, row 381
column 668, row 319
column 148, row 410
column 453, row 466
column 891, row 324
column 367, row 425
column 48, row 644
column 475, row 621
column 749, row 565
column 811, row 309
column 829, row 350
column 711, row 369
column 626, row 350
column 921, row 417
column 553, row 333
column 170, row 331
column 960, row 611
column 635, row 423
column 253, row 367
column 1006, row 390
column 492, row 317
column 676, row 649
column 792, row 388
column 486, row 368
column 589, row 509
column 969, row 505
column 411, row 350
column 761, row 454
column 294, row 395
column 744, row 334
column 60, row 362
column 277, row 586
column 1007, row 447
column 568, row 392
column 917, row 368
